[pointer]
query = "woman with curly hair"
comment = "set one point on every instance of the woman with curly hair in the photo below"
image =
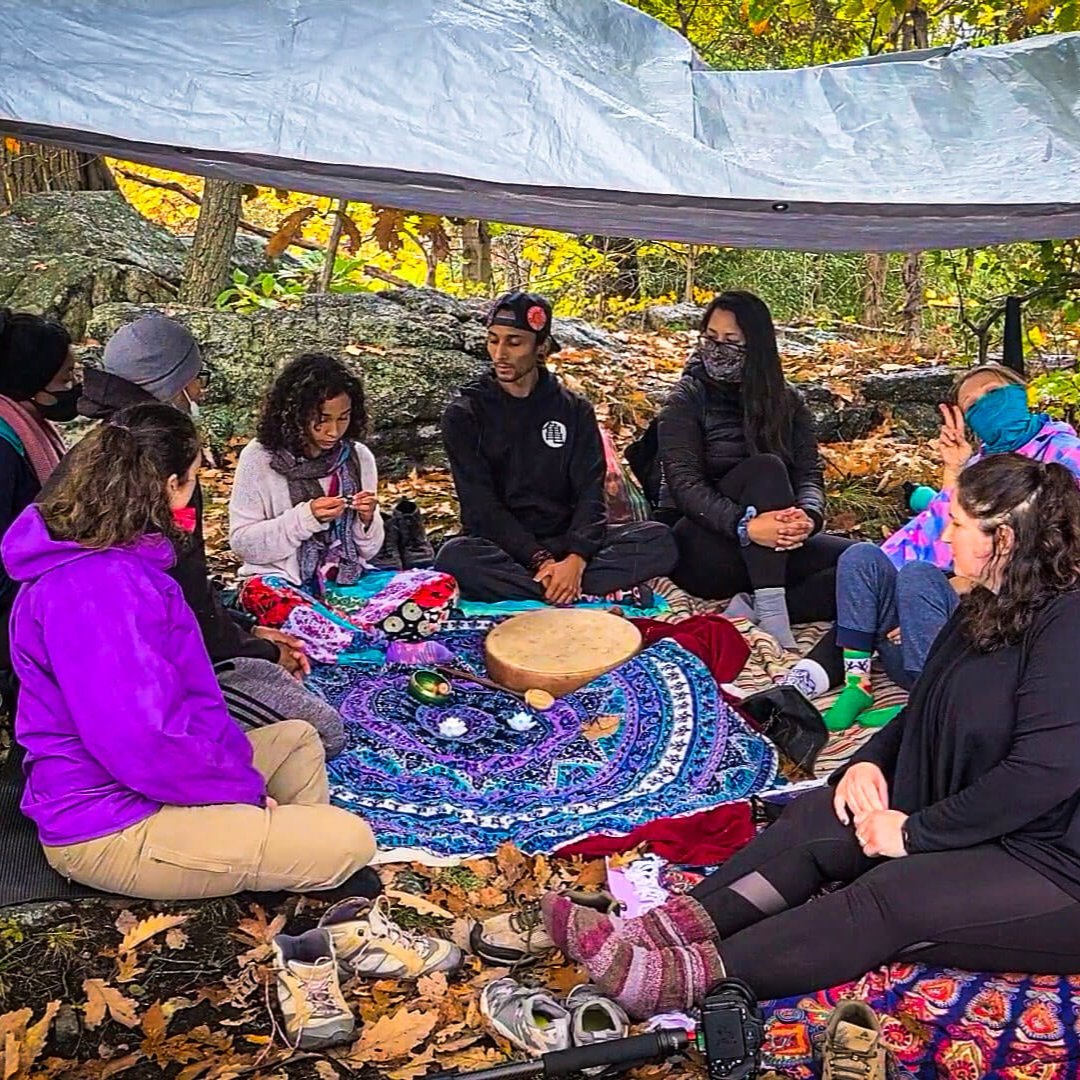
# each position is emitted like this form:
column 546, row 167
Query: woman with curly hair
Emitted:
column 303, row 504
column 954, row 832
column 137, row 778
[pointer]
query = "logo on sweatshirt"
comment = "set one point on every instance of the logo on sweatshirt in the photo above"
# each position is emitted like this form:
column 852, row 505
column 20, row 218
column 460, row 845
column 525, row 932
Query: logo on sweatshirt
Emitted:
column 554, row 434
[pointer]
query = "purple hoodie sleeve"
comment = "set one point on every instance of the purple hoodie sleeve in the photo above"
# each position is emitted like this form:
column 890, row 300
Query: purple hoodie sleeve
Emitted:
column 136, row 711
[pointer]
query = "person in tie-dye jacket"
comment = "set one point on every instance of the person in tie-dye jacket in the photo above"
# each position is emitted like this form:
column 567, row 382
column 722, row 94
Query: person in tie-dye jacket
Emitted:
column 894, row 599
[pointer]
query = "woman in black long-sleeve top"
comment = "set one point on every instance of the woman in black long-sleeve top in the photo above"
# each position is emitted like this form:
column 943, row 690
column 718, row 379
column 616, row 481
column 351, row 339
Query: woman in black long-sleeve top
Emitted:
column 741, row 464
column 954, row 832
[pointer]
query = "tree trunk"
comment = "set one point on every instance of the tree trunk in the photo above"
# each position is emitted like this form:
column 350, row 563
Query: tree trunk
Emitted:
column 476, row 252
column 206, row 273
column 691, row 268
column 877, row 270
column 621, row 251
column 913, row 297
column 28, row 168
column 326, row 275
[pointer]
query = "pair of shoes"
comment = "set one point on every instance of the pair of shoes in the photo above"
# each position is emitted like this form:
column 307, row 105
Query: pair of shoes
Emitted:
column 354, row 937
column 518, row 938
column 532, row 1020
column 853, row 1049
column 406, row 546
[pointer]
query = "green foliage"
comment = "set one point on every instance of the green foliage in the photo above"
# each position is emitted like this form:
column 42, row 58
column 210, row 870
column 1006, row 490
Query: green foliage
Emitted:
column 1058, row 393
column 285, row 285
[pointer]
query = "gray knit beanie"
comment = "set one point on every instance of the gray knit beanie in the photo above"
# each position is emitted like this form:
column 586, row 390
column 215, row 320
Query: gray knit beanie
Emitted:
column 155, row 353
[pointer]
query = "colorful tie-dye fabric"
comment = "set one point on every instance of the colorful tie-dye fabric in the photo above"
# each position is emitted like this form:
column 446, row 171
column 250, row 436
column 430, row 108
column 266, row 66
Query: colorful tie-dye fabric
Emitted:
column 920, row 539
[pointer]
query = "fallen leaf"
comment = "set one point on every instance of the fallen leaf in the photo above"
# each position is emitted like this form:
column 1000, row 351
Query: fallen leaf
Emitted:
column 418, row 903
column 147, row 928
column 101, row 996
column 592, row 875
column 601, row 727
column 126, row 920
column 122, row 1064
column 432, row 987
column 417, row 1066
column 489, row 898
column 512, row 864
column 176, row 939
column 155, row 1022
column 127, row 967
column 11, row 1055
column 392, row 1037
column 325, row 1071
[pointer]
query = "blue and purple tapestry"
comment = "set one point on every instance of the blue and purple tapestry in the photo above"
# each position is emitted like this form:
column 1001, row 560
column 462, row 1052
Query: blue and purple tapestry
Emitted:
column 943, row 1023
column 651, row 739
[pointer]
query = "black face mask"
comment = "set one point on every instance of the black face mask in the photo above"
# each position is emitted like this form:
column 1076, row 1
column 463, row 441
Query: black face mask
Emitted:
column 64, row 408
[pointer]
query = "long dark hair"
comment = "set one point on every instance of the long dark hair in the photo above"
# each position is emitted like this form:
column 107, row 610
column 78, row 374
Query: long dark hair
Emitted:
column 766, row 396
column 297, row 396
column 111, row 490
column 32, row 350
column 1041, row 504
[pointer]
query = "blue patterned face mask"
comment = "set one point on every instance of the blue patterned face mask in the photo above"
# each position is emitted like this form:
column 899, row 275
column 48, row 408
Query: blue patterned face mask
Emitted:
column 1002, row 420
column 722, row 360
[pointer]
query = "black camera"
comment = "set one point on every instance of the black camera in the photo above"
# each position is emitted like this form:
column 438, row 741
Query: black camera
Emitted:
column 732, row 1031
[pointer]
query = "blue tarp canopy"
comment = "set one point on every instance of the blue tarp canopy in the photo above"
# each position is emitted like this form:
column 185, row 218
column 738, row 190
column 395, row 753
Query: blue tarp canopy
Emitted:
column 581, row 115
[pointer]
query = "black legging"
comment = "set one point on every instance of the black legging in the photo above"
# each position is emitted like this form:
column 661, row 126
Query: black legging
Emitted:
column 716, row 567
column 977, row 908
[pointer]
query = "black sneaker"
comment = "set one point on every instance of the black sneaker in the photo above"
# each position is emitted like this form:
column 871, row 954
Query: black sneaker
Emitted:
column 389, row 557
column 416, row 550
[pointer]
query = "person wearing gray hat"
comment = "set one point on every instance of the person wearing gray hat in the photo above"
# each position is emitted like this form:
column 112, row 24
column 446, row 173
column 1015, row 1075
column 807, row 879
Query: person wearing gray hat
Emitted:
column 156, row 358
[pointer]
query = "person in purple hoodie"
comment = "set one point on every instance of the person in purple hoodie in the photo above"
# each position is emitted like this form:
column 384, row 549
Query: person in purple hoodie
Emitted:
column 894, row 599
column 137, row 778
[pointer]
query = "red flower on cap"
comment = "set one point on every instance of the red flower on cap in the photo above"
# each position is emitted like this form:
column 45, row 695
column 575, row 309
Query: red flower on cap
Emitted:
column 536, row 317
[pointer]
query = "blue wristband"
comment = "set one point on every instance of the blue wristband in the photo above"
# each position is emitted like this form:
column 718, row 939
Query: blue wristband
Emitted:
column 742, row 530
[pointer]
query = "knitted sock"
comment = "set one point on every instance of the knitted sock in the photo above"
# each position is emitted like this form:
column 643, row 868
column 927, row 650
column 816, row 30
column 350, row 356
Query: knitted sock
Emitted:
column 878, row 718
column 741, row 606
column 580, row 932
column 646, row 981
column 772, row 615
column 856, row 697
column 808, row 677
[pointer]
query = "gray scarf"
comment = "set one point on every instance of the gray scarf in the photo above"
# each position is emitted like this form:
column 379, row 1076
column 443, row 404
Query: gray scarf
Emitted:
column 335, row 546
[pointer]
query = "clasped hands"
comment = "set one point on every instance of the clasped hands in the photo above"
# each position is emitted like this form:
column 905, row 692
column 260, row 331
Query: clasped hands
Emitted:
column 784, row 530
column 561, row 579
column 329, row 508
column 862, row 799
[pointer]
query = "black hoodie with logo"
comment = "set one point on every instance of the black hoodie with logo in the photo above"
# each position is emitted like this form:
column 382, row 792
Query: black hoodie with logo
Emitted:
column 105, row 394
column 529, row 472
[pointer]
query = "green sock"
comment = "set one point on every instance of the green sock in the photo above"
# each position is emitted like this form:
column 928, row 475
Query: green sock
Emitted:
column 856, row 696
column 878, row 718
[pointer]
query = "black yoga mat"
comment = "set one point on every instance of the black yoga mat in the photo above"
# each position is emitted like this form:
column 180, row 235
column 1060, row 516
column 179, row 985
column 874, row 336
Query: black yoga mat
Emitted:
column 25, row 876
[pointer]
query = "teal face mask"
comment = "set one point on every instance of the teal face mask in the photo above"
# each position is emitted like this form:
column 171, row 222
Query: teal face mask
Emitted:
column 1002, row 421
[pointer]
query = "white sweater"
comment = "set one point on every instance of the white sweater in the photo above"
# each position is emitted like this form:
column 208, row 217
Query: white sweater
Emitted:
column 266, row 530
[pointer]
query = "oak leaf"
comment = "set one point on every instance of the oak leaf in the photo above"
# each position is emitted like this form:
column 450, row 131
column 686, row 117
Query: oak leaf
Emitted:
column 147, row 928
column 392, row 1036
column 100, row 996
column 418, row 903
column 288, row 231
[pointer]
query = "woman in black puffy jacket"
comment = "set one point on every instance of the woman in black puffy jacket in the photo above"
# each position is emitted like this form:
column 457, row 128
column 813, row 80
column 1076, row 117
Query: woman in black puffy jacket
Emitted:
column 741, row 465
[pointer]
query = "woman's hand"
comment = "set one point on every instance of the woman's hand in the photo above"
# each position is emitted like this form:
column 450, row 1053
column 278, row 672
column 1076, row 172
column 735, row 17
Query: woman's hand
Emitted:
column 365, row 503
column 862, row 790
column 780, row 529
column 292, row 654
column 327, row 508
column 561, row 579
column 953, row 444
column 881, row 834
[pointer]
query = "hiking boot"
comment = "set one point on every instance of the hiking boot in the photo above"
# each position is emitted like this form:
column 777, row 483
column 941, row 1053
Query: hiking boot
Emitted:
column 853, row 1049
column 389, row 557
column 315, row 1013
column 368, row 942
column 529, row 1019
column 518, row 938
column 594, row 1018
column 416, row 550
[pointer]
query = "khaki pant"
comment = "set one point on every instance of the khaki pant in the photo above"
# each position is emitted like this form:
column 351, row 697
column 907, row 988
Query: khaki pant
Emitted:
column 190, row 852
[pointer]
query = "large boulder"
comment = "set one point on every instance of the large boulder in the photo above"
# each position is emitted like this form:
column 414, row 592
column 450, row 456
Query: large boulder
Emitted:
column 912, row 396
column 411, row 361
column 65, row 253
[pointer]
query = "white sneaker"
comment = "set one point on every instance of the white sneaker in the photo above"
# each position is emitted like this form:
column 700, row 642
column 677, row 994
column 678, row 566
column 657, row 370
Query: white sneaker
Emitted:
column 316, row 1014
column 528, row 1018
column 368, row 942
column 594, row 1018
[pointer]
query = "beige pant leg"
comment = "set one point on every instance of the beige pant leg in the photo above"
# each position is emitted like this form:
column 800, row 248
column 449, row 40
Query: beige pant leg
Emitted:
column 290, row 755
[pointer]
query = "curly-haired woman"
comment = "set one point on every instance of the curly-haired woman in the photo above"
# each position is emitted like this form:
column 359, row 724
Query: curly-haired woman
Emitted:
column 954, row 832
column 303, row 502
column 139, row 781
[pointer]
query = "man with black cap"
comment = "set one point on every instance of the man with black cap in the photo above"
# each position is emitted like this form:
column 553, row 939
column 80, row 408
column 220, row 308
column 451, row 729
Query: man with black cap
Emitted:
column 156, row 358
column 528, row 465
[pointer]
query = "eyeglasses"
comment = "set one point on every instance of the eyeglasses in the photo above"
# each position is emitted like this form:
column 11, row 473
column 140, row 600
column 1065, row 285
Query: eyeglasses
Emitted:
column 205, row 376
